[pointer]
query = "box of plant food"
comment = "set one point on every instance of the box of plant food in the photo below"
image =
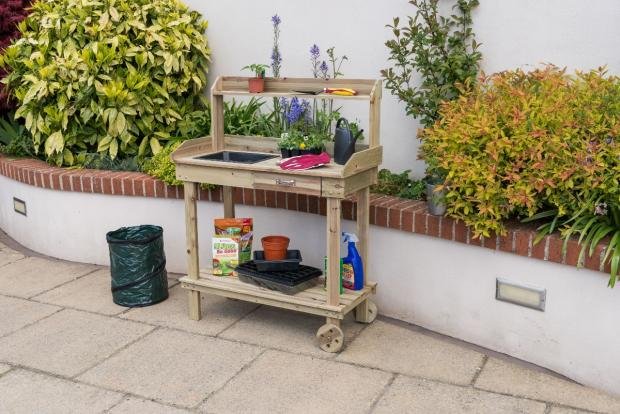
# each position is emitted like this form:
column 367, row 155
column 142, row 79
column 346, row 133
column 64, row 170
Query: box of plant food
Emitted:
column 225, row 255
column 232, row 230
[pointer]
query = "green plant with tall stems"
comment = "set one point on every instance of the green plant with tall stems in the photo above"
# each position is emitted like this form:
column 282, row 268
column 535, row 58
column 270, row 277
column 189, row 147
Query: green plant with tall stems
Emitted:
column 596, row 222
column 15, row 139
column 434, row 57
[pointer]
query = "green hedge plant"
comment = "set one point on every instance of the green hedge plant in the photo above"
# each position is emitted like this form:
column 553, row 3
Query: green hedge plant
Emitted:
column 521, row 143
column 108, row 76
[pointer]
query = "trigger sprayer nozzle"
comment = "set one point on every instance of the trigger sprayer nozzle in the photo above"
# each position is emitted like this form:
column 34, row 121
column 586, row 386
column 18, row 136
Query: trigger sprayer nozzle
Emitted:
column 349, row 237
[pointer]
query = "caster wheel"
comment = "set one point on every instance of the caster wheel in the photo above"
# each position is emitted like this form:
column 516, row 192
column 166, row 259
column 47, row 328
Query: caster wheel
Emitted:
column 366, row 313
column 331, row 338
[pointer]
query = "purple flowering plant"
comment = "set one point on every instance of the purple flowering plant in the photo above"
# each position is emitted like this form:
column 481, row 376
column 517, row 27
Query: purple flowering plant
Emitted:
column 276, row 55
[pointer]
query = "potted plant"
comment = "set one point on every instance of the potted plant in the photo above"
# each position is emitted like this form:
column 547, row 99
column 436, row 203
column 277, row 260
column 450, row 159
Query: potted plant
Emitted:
column 257, row 83
column 313, row 143
column 287, row 145
column 435, row 194
column 423, row 46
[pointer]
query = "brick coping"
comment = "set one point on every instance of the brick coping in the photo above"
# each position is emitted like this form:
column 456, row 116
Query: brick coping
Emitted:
column 385, row 211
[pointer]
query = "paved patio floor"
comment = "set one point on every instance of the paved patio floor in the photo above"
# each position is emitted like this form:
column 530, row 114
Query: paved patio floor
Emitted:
column 66, row 348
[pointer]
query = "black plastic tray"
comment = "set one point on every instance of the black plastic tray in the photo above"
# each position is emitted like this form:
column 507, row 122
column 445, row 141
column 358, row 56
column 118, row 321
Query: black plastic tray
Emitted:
column 286, row 282
column 236, row 156
column 292, row 261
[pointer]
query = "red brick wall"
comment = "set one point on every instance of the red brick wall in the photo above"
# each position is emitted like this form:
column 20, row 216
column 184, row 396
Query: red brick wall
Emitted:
column 385, row 211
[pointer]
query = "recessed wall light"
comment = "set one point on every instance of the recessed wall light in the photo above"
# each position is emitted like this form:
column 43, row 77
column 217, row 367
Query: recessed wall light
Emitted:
column 522, row 295
column 19, row 206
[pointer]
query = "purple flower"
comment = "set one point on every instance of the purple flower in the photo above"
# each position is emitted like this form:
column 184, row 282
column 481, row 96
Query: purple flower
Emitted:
column 324, row 69
column 295, row 110
column 314, row 52
column 275, row 19
column 276, row 58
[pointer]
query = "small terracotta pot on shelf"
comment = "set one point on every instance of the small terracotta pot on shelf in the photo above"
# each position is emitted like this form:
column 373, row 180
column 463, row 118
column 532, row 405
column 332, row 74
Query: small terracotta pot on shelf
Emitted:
column 256, row 85
column 275, row 247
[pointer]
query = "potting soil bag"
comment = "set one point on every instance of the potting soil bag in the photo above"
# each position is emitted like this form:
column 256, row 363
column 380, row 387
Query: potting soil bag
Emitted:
column 138, row 265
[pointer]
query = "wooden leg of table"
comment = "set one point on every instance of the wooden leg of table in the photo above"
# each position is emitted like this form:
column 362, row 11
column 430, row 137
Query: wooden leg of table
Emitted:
column 195, row 312
column 363, row 224
column 191, row 236
column 229, row 203
column 333, row 251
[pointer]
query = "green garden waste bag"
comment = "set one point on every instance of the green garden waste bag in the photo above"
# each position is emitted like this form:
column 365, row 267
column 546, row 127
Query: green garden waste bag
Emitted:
column 138, row 265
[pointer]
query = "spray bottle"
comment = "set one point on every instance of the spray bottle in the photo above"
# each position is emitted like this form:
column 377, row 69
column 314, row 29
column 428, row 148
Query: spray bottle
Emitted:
column 352, row 266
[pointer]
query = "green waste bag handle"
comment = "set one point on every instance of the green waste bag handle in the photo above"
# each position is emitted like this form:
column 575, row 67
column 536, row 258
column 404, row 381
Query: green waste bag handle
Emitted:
column 143, row 279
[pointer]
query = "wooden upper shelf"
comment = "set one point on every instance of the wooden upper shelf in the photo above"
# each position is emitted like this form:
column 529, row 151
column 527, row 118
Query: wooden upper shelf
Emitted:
column 366, row 89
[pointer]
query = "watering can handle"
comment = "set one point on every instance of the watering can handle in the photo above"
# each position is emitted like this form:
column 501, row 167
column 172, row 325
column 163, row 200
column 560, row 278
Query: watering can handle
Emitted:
column 341, row 120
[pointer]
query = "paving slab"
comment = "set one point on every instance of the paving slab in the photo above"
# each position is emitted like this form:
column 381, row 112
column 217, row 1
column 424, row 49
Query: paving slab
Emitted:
column 218, row 313
column 510, row 378
column 17, row 313
column 34, row 275
column 173, row 367
column 418, row 396
column 90, row 293
column 132, row 405
column 279, row 382
column 562, row 410
column 286, row 330
column 69, row 341
column 28, row 392
column 397, row 348
column 8, row 256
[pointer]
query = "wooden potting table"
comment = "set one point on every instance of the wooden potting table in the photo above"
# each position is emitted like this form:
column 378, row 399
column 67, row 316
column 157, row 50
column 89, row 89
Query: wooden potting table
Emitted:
column 333, row 182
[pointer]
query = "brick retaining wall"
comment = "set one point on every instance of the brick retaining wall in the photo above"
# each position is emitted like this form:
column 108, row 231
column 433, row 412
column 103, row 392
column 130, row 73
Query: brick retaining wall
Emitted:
column 385, row 211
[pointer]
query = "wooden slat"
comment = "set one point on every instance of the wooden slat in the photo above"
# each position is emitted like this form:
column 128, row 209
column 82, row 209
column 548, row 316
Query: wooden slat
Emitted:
column 239, row 85
column 217, row 122
column 333, row 251
column 252, row 143
column 191, row 237
column 214, row 175
column 360, row 180
column 229, row 202
column 363, row 160
column 311, row 300
column 298, row 184
column 375, row 115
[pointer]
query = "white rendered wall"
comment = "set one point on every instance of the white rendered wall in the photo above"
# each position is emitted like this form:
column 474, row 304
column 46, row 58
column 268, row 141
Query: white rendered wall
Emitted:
column 578, row 34
column 444, row 286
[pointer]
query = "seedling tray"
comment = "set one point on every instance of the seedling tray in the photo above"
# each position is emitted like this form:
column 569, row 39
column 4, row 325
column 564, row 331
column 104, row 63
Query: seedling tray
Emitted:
column 291, row 263
column 289, row 282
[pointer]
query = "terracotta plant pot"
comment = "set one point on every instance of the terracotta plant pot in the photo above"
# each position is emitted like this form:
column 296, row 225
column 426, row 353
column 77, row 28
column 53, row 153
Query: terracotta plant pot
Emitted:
column 256, row 85
column 275, row 247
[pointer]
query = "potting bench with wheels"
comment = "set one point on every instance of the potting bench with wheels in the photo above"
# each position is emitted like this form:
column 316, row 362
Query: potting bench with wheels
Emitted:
column 208, row 160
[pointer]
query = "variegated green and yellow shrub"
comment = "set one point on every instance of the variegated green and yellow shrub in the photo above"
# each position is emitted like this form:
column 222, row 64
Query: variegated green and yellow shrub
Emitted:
column 113, row 76
column 520, row 143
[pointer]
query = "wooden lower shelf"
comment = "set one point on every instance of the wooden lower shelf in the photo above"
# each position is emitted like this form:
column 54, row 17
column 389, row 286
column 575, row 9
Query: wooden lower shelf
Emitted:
column 312, row 300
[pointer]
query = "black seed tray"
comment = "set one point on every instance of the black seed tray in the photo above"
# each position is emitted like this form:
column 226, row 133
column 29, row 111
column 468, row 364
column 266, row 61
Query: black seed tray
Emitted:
column 286, row 282
column 291, row 263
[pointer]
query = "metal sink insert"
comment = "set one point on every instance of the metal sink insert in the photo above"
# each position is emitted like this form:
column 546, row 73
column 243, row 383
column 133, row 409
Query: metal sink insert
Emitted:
column 236, row 156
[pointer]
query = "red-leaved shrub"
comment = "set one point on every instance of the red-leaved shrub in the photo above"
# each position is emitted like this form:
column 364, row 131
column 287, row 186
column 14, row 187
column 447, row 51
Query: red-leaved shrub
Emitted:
column 11, row 13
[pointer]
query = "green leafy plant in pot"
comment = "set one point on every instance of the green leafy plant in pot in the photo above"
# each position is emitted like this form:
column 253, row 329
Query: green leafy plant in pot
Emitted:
column 442, row 51
column 257, row 83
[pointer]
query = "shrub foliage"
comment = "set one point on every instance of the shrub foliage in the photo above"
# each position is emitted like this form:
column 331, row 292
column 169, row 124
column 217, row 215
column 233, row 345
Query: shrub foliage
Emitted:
column 520, row 143
column 11, row 13
column 112, row 76
column 438, row 51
